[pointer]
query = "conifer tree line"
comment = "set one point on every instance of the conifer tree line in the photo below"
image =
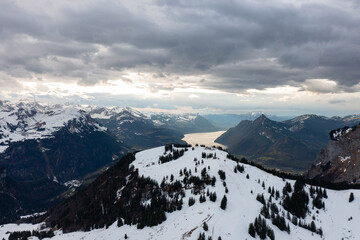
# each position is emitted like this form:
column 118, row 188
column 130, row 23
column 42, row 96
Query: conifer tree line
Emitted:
column 295, row 201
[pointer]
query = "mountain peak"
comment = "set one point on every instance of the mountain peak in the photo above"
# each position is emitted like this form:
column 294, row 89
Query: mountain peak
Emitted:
column 261, row 120
column 305, row 117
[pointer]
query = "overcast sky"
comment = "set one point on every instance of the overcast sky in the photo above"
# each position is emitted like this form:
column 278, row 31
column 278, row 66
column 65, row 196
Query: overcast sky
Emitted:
column 279, row 56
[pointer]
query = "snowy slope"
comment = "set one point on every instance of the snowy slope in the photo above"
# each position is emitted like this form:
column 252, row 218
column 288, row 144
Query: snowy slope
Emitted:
column 242, row 206
column 157, row 118
column 108, row 112
column 30, row 120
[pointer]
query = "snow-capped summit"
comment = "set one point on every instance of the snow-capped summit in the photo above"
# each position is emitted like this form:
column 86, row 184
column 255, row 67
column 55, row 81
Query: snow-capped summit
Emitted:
column 108, row 112
column 31, row 120
column 184, row 123
column 148, row 129
column 44, row 146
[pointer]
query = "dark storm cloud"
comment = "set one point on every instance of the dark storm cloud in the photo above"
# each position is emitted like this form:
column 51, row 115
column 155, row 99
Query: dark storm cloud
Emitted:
column 239, row 44
column 15, row 20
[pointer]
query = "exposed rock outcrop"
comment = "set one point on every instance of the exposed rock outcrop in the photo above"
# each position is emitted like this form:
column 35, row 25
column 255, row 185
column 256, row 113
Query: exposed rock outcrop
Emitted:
column 340, row 160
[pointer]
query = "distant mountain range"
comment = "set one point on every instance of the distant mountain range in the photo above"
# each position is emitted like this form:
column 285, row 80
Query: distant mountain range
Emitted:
column 144, row 130
column 47, row 151
column 62, row 146
column 55, row 142
column 226, row 121
column 290, row 145
column 49, row 147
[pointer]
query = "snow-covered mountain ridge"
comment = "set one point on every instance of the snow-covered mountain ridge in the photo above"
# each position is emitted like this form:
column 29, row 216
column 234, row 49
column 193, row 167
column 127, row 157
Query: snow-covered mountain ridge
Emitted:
column 181, row 175
column 43, row 147
column 107, row 112
column 184, row 123
column 30, row 120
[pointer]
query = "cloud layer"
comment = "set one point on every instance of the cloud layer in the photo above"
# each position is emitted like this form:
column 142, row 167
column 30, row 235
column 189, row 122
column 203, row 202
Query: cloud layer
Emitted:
column 230, row 46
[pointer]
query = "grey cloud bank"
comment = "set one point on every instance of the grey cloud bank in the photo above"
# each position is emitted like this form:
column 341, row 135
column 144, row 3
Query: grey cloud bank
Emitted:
column 231, row 46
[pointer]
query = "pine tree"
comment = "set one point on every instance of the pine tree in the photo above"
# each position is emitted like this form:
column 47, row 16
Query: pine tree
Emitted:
column 212, row 196
column 202, row 198
column 120, row 222
column 261, row 198
column 312, row 226
column 252, row 230
column 312, row 191
column 191, row 201
column 351, row 198
column 223, row 203
column 201, row 236
column 205, row 226
column 222, row 174
column 271, row 234
column 325, row 194
column 320, row 231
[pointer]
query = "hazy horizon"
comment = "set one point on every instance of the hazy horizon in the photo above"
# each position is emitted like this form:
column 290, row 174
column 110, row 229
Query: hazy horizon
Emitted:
column 171, row 111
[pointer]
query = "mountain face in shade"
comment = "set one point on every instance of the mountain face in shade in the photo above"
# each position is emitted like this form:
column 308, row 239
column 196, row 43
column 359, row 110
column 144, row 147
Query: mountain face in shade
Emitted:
column 226, row 121
column 288, row 145
column 49, row 147
column 54, row 142
column 176, row 192
column 269, row 143
column 19, row 198
column 314, row 130
column 340, row 160
column 135, row 128
column 185, row 123
column 144, row 130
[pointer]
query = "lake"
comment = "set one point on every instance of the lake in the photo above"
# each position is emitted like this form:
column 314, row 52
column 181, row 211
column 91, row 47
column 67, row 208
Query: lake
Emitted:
column 206, row 138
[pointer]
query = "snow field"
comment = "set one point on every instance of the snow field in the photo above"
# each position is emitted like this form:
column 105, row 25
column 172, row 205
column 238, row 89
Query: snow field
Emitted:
column 242, row 206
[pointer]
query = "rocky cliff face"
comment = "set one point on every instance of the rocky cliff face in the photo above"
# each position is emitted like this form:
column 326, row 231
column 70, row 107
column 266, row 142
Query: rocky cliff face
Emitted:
column 340, row 160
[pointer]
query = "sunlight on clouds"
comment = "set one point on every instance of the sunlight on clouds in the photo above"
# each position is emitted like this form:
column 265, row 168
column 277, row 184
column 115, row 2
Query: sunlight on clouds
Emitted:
column 114, row 87
column 193, row 96
column 198, row 90
column 143, row 91
column 129, row 84
column 320, row 85
column 274, row 91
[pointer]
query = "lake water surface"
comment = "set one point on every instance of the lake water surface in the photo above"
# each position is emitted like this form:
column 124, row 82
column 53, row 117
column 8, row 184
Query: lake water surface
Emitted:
column 206, row 138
